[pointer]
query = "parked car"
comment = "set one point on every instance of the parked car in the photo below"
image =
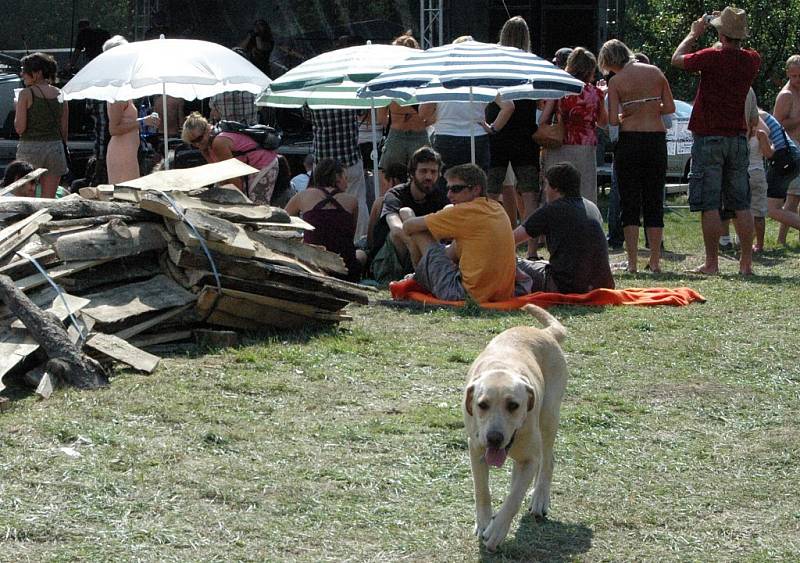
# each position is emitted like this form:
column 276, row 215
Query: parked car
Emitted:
column 679, row 148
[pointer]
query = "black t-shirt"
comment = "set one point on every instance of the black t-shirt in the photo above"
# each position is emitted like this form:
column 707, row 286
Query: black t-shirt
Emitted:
column 399, row 197
column 90, row 40
column 577, row 244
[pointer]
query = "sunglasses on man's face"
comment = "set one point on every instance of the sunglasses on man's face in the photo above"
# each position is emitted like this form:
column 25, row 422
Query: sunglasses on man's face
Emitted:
column 456, row 188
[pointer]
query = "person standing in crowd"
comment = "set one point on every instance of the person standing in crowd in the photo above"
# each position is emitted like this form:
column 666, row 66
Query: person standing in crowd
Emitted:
column 88, row 43
column 216, row 147
column 408, row 125
column 122, row 155
column 332, row 212
column 42, row 121
column 719, row 151
column 561, row 57
column 513, row 145
column 638, row 96
column 336, row 137
column 454, row 124
column 778, row 181
column 258, row 45
column 237, row 105
column 581, row 115
column 787, row 112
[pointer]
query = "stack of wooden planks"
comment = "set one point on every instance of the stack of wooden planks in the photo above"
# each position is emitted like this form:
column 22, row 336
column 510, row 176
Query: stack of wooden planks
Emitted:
column 151, row 261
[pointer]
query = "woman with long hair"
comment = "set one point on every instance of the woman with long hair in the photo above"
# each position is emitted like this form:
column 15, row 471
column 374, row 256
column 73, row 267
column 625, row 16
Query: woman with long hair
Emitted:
column 333, row 213
column 581, row 115
column 42, row 121
column 638, row 96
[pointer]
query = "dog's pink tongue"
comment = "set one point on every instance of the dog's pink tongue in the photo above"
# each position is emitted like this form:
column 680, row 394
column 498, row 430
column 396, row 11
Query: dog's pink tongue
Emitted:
column 495, row 457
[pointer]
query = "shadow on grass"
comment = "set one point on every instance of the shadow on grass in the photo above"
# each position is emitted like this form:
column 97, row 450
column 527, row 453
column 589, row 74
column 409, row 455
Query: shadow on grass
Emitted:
column 543, row 540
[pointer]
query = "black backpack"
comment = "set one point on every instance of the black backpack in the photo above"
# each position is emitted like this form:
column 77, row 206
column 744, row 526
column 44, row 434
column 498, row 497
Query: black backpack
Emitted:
column 267, row 137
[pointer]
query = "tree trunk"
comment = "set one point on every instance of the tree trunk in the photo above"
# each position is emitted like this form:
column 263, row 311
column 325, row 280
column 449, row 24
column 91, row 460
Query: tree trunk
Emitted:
column 66, row 360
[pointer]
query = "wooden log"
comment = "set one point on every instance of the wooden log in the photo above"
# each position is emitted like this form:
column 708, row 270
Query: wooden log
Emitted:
column 66, row 360
column 112, row 240
column 258, row 307
column 240, row 245
column 103, row 192
column 122, row 270
column 158, row 203
column 14, row 235
column 316, row 256
column 65, row 224
column 119, row 350
column 201, row 278
column 29, row 177
column 56, row 272
column 72, row 207
column 131, row 331
column 22, row 267
column 132, row 300
column 226, row 194
column 261, row 271
column 147, row 340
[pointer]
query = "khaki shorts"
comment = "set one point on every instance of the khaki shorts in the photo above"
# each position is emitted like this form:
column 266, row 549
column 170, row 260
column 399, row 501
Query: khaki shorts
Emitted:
column 44, row 154
column 758, row 192
column 526, row 176
column 794, row 187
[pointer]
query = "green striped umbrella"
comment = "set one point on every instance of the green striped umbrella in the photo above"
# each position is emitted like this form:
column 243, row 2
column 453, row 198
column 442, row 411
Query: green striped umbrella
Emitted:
column 331, row 80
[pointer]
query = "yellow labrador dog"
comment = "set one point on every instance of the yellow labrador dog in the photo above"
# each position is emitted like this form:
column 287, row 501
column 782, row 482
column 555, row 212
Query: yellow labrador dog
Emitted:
column 511, row 408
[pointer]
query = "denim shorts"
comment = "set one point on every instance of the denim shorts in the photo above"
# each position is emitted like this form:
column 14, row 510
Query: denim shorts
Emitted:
column 777, row 183
column 718, row 178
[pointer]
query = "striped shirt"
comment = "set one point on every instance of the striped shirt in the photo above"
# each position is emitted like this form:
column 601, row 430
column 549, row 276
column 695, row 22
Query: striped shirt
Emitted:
column 777, row 134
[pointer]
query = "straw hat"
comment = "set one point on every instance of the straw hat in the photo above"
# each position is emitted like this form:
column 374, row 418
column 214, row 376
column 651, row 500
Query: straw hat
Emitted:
column 732, row 22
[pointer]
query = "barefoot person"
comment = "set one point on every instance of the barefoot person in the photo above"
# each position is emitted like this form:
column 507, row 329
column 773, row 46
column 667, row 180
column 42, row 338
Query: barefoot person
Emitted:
column 787, row 112
column 719, row 150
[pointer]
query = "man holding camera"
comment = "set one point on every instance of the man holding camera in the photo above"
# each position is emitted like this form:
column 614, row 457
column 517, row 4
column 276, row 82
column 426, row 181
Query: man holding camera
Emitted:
column 718, row 177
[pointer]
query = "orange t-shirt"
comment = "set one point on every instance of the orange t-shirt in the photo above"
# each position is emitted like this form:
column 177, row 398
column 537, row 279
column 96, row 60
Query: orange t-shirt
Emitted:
column 485, row 243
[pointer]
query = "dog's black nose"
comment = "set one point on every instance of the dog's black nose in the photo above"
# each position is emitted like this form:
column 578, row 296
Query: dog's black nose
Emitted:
column 494, row 439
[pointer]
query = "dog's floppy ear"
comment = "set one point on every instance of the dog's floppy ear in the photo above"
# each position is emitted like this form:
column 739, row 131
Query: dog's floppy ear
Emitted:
column 531, row 396
column 468, row 394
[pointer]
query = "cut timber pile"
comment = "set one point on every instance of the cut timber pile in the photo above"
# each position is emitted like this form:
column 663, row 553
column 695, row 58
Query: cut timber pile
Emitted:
column 147, row 263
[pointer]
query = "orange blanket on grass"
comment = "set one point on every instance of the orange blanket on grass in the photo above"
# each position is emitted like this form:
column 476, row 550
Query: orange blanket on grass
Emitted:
column 679, row 296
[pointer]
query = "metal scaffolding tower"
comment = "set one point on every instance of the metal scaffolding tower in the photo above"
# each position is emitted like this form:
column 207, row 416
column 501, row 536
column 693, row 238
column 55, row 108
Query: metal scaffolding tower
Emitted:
column 144, row 9
column 430, row 23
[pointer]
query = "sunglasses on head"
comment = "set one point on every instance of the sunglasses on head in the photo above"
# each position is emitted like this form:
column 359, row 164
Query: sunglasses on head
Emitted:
column 197, row 139
column 455, row 188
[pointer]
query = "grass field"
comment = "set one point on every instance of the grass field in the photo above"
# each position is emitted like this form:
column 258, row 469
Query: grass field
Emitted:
column 678, row 439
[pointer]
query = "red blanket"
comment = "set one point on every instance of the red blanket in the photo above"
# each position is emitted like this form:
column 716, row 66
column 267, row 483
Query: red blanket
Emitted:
column 679, row 296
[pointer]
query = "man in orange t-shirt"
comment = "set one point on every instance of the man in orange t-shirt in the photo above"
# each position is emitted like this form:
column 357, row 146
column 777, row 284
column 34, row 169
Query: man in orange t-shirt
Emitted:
column 480, row 262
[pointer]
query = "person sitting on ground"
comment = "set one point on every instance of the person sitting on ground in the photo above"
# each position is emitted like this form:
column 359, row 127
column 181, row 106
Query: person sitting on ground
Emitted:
column 395, row 175
column 283, row 191
column 332, row 212
column 216, row 147
column 300, row 182
column 480, row 261
column 391, row 251
column 19, row 169
column 573, row 229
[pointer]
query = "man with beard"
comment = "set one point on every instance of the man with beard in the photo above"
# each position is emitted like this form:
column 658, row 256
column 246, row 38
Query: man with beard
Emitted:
column 393, row 254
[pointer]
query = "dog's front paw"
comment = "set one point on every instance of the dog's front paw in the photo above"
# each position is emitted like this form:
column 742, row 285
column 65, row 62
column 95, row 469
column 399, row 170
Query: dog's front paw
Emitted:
column 496, row 532
column 482, row 521
column 540, row 503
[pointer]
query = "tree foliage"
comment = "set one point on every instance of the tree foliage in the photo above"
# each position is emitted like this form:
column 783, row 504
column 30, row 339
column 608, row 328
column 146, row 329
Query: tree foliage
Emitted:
column 656, row 27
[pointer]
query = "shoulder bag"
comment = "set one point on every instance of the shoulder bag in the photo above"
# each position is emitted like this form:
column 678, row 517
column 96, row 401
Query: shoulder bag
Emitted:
column 550, row 135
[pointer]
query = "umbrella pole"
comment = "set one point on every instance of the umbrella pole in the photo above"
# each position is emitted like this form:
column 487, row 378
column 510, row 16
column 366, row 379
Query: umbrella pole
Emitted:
column 165, row 123
column 471, row 129
column 375, row 174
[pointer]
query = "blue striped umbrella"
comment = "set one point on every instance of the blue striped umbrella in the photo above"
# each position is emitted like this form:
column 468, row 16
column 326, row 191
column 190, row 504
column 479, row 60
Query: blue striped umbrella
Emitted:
column 473, row 72
column 473, row 64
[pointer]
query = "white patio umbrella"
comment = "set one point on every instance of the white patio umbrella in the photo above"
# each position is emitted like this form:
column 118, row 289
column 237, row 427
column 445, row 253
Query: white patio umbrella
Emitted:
column 181, row 68
column 331, row 80
column 514, row 74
